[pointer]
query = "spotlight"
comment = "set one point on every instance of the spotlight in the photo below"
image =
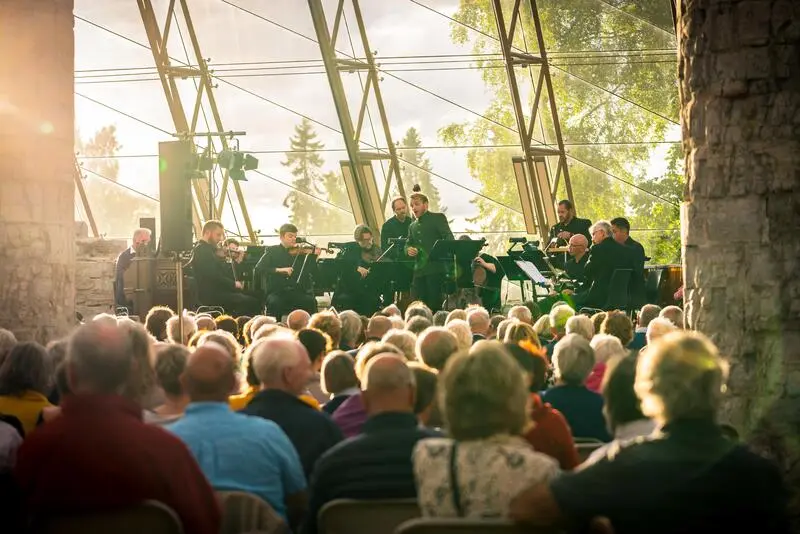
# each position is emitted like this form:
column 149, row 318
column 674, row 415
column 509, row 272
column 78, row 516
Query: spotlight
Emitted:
column 237, row 163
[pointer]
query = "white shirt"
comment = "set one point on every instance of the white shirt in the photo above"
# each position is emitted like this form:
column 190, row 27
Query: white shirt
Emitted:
column 622, row 434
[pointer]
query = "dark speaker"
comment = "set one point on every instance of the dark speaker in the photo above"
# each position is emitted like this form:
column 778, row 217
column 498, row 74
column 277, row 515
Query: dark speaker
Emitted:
column 175, row 161
column 150, row 224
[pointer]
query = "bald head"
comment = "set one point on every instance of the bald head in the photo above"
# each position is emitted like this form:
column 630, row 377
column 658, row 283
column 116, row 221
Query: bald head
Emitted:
column 99, row 358
column 281, row 362
column 377, row 327
column 579, row 240
column 435, row 345
column 297, row 320
column 388, row 385
column 209, row 374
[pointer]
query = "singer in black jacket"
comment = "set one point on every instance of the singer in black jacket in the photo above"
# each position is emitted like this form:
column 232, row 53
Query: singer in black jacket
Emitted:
column 278, row 265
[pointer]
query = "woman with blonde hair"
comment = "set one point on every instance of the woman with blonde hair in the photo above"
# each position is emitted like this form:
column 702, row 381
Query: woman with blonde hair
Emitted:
column 485, row 463
column 519, row 332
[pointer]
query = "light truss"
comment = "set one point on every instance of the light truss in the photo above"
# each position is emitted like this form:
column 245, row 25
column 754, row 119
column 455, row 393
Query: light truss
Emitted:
column 536, row 188
column 204, row 207
column 84, row 199
column 368, row 205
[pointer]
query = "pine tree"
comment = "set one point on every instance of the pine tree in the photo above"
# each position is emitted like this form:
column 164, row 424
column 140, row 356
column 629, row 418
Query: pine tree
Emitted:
column 305, row 163
column 336, row 221
column 416, row 167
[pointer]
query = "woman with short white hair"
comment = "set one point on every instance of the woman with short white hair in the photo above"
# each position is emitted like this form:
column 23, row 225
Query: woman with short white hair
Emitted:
column 573, row 360
column 581, row 325
column 460, row 328
column 605, row 348
column 484, row 463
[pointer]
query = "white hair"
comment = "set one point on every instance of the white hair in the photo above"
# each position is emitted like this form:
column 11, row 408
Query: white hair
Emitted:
column 606, row 346
column 601, row 225
column 581, row 325
column 397, row 322
column 273, row 355
column 542, row 325
column 521, row 313
column 460, row 328
column 478, row 319
column 402, row 339
column 105, row 319
column 139, row 232
column 559, row 315
column 351, row 326
column 659, row 327
column 573, row 359
column 674, row 314
column 173, row 329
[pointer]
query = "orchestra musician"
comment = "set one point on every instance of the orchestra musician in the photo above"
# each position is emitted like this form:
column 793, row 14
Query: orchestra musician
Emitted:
column 568, row 225
column 429, row 227
column 216, row 283
column 354, row 291
column 605, row 256
column 396, row 226
column 578, row 256
column 232, row 253
column 139, row 246
column 281, row 265
column 621, row 231
column 487, row 277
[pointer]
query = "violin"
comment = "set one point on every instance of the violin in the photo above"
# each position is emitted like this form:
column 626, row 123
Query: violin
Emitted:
column 304, row 249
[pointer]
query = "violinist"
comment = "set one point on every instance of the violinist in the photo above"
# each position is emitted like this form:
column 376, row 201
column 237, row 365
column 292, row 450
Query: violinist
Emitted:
column 281, row 265
column 354, row 291
column 232, row 253
column 216, row 284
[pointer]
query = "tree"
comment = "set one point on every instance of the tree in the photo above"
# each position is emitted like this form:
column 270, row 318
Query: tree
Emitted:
column 116, row 209
column 416, row 167
column 336, row 216
column 593, row 120
column 305, row 163
column 741, row 110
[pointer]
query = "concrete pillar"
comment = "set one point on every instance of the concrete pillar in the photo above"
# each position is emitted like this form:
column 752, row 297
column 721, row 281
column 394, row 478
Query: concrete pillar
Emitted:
column 37, row 245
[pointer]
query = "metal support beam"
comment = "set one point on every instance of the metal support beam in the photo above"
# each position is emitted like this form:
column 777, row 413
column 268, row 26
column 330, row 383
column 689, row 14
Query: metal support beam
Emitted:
column 197, row 69
column 368, row 205
column 84, row 199
column 538, row 193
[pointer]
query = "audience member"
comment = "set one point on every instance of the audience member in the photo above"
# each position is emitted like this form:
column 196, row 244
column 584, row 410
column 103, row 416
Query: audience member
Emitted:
column 479, row 323
column 156, row 322
column 425, row 407
column 241, row 321
column 205, row 322
column 521, row 313
column 376, row 464
column 328, row 322
column 99, row 455
column 502, row 328
column 517, row 332
column 228, row 324
column 283, row 368
column 559, row 315
column 403, row 340
column 237, row 452
column 643, row 318
column 494, row 323
column 376, row 329
column 573, row 360
column 317, row 345
column 10, row 441
column 435, row 345
column 476, row 472
column 687, row 477
column 142, row 388
column 418, row 308
column 674, row 314
column 581, row 325
column 455, row 315
column 418, row 324
column 659, row 327
column 25, row 383
column 597, row 321
column 169, row 366
column 352, row 330
column 173, row 329
column 338, row 379
column 8, row 340
column 460, row 329
column 440, row 317
column 297, row 320
column 605, row 347
column 618, row 325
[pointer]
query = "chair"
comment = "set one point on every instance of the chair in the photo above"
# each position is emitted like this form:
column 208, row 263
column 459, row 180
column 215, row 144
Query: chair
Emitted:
column 151, row 517
column 243, row 513
column 618, row 290
column 652, row 284
column 350, row 516
column 435, row 525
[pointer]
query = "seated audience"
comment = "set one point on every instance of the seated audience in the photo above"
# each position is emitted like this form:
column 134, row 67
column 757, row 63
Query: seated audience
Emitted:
column 317, row 345
column 494, row 323
column 174, row 326
column 618, row 325
column 205, row 322
column 440, row 317
column 377, row 327
column 519, row 332
column 460, row 329
column 454, row 315
column 621, row 407
column 418, row 324
column 674, row 314
column 8, row 340
column 484, row 464
column 25, row 383
column 338, row 379
column 605, row 347
column 142, row 387
column 328, row 322
column 521, row 313
column 581, row 325
column 237, row 452
column 547, row 431
column 226, row 323
column 435, row 346
column 687, row 477
column 573, row 360
column 56, row 353
column 502, row 328
column 10, row 441
column 559, row 315
column 479, row 323
column 297, row 320
column 156, row 322
column 597, row 321
column 99, row 455
column 352, row 330
column 418, row 308
column 352, row 414
column 643, row 318
column 403, row 340
column 376, row 464
column 169, row 366
column 240, row 322
column 659, row 327
column 425, row 407
column 283, row 368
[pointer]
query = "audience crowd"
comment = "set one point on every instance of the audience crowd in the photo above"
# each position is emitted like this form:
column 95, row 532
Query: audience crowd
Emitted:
column 553, row 420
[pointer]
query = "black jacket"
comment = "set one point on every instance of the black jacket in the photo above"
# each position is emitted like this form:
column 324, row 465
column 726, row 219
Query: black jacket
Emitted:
column 275, row 257
column 422, row 234
column 212, row 275
column 604, row 258
column 637, row 258
column 575, row 226
column 393, row 228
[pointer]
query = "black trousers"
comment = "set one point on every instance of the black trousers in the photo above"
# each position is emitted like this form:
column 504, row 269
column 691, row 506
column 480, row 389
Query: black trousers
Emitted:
column 362, row 302
column 429, row 288
column 284, row 302
column 235, row 303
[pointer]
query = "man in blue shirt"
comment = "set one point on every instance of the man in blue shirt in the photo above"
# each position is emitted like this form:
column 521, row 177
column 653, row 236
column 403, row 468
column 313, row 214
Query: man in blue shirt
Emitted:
column 375, row 464
column 237, row 452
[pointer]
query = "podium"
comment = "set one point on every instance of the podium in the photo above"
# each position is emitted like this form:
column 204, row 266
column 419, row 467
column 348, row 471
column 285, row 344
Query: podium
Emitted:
column 152, row 282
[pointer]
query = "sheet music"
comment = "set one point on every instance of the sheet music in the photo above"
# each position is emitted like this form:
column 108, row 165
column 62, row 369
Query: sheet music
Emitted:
column 530, row 269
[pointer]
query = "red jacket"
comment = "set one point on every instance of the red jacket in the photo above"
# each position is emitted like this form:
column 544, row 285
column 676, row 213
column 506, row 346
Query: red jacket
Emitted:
column 551, row 435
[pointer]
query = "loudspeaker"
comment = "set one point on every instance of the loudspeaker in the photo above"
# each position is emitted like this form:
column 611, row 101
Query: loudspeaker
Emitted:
column 175, row 165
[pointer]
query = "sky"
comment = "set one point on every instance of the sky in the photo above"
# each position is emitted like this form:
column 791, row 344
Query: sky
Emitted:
column 269, row 107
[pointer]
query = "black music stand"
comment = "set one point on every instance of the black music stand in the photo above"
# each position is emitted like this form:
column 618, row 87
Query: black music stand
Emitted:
column 390, row 276
column 460, row 253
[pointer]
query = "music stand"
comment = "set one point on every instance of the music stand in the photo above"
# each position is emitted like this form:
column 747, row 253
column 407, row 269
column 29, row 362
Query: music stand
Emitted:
column 390, row 276
column 460, row 252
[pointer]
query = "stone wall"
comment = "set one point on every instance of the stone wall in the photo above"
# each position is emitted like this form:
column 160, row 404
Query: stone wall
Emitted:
column 94, row 274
